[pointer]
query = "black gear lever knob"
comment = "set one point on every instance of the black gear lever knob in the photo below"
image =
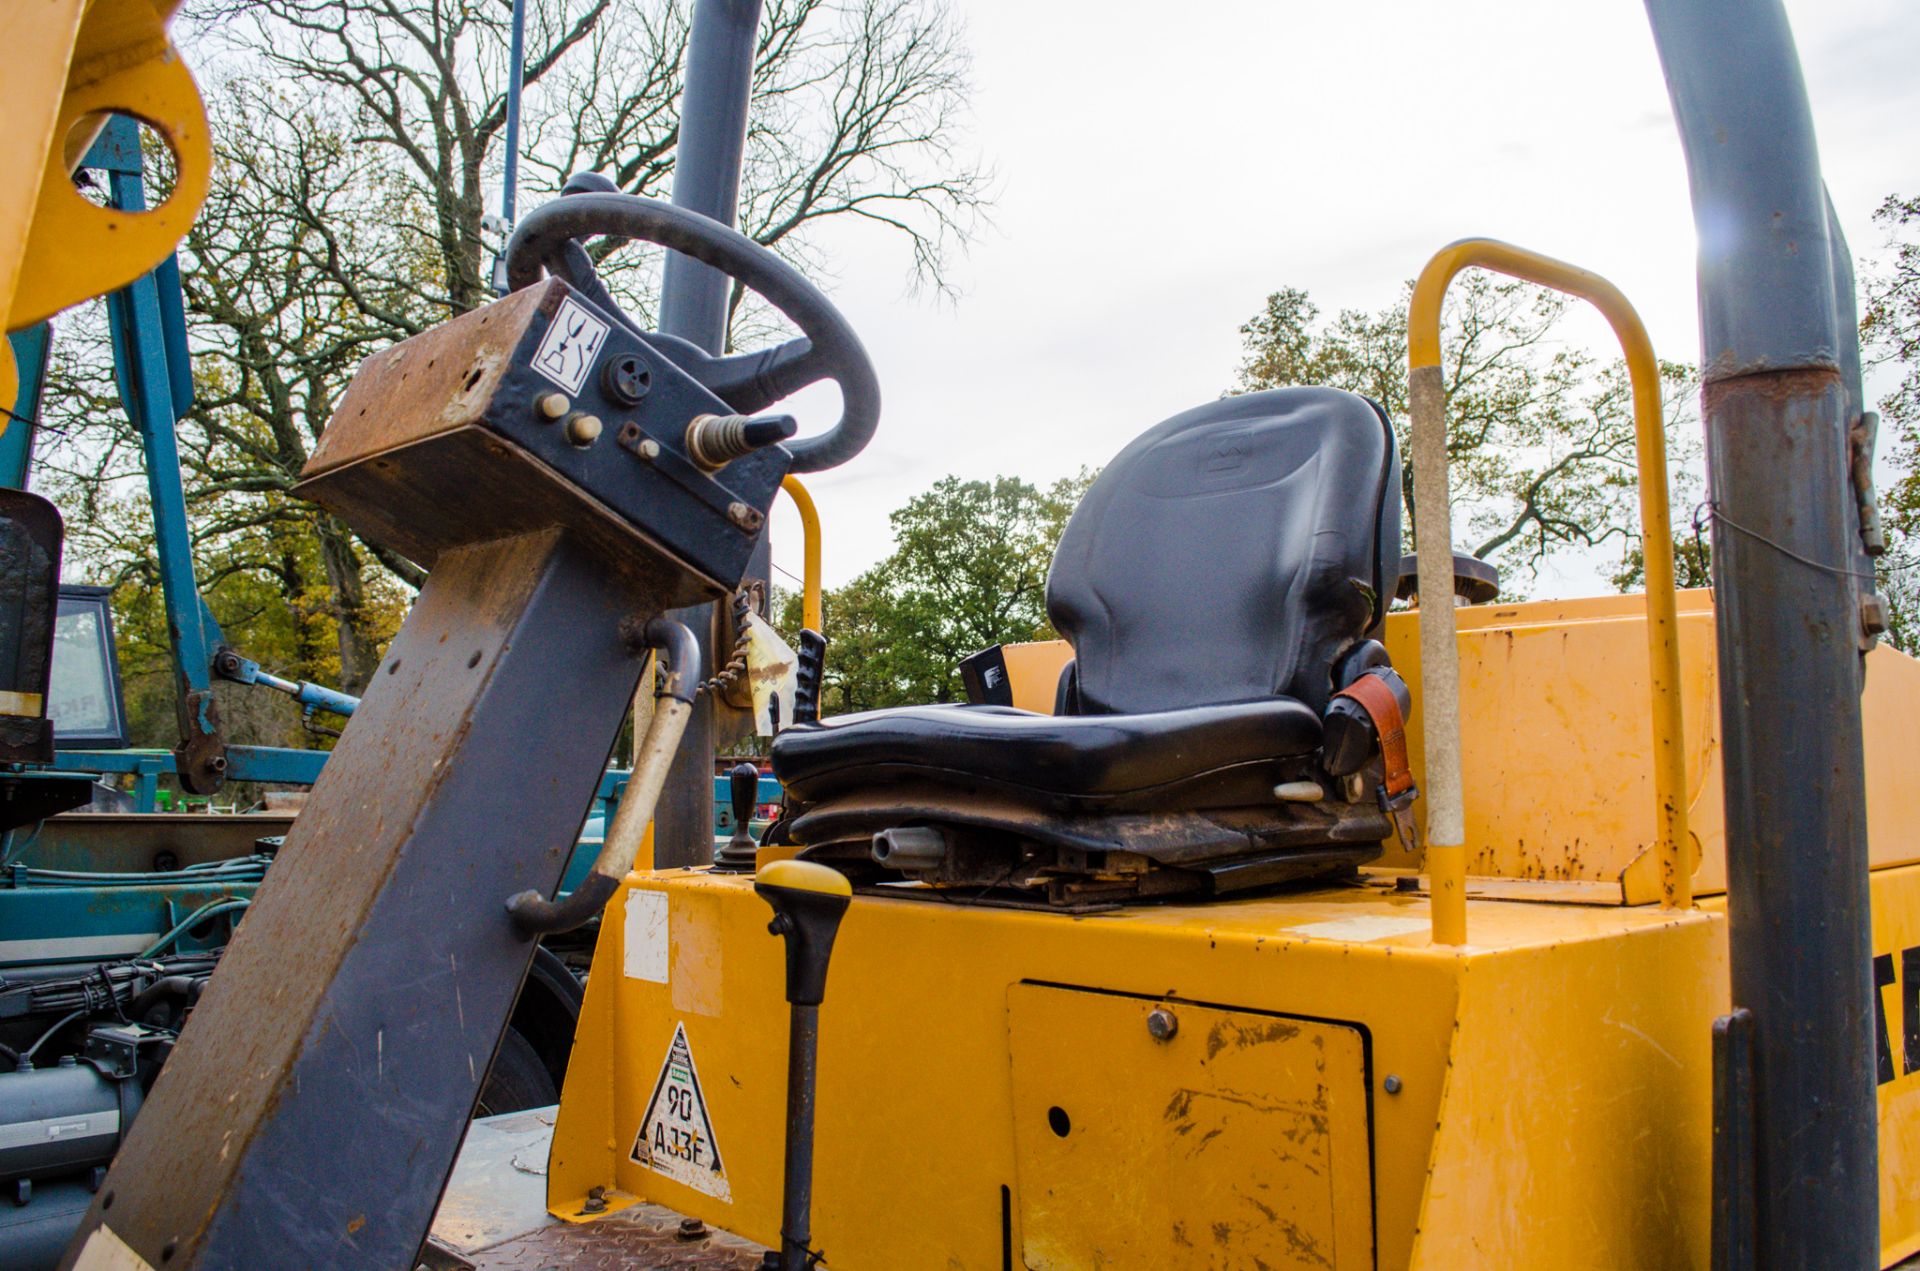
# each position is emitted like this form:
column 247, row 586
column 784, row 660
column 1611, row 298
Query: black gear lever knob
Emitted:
column 743, row 792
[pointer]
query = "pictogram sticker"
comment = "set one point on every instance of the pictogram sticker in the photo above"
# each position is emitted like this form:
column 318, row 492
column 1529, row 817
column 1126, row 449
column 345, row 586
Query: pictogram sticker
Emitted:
column 676, row 1134
column 568, row 348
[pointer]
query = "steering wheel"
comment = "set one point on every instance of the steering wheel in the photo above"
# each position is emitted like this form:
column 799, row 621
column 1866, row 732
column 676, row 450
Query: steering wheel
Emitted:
column 547, row 239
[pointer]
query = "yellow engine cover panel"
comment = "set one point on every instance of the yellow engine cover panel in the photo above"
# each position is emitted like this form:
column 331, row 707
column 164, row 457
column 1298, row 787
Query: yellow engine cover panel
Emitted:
column 1241, row 1140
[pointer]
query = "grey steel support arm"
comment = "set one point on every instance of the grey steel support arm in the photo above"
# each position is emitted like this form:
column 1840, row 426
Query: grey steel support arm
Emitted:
column 693, row 306
column 1781, row 393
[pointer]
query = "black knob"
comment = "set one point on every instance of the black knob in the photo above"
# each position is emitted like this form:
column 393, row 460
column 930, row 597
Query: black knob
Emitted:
column 743, row 782
column 737, row 854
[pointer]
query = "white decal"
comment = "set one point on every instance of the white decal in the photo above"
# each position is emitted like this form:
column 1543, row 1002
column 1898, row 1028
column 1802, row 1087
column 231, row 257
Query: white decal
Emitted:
column 567, row 350
column 676, row 1135
column 646, row 936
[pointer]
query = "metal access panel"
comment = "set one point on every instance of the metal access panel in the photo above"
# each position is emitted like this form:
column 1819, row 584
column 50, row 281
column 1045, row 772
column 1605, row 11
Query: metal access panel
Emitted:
column 1241, row 1140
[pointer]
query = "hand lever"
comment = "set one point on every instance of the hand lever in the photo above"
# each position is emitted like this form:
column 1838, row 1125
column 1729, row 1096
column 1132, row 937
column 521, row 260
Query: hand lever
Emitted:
column 737, row 855
column 812, row 670
column 808, row 902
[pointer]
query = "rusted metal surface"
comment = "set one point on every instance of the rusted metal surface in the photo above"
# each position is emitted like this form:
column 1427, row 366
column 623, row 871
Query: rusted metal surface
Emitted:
column 494, row 1215
column 134, row 842
column 463, row 434
column 644, row 1236
column 353, row 1018
column 433, row 383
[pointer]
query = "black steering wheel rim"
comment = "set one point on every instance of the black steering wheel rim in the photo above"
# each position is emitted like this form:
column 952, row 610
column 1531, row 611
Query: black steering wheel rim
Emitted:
column 539, row 243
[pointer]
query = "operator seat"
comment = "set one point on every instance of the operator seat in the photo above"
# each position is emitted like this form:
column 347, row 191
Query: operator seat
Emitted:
column 1221, row 581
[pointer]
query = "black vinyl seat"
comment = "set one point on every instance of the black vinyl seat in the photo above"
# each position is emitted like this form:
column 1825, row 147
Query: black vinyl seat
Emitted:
column 1071, row 760
column 1220, row 582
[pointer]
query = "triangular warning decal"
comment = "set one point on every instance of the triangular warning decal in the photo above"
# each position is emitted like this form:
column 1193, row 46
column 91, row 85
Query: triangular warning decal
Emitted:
column 676, row 1135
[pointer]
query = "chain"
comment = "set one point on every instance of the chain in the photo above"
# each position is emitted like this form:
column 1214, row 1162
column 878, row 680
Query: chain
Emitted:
column 736, row 668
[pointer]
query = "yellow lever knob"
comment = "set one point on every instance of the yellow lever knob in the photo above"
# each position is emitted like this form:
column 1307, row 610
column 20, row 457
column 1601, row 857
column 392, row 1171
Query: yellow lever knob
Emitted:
column 803, row 876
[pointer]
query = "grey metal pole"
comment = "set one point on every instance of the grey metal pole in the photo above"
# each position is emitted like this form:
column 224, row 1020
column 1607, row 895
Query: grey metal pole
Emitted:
column 1778, row 356
column 516, row 74
column 693, row 306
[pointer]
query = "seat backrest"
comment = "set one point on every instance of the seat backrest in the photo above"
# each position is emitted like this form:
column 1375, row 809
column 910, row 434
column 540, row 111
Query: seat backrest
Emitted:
column 1236, row 551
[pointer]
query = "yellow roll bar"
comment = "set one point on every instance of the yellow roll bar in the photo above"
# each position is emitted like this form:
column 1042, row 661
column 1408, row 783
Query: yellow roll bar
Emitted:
column 810, row 538
column 1433, row 525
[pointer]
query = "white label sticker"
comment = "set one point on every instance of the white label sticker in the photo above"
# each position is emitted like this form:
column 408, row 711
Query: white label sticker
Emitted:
column 646, row 936
column 105, row 1251
column 567, row 351
column 676, row 1135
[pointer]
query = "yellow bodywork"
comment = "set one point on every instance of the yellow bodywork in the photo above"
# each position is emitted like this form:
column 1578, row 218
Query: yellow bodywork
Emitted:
column 70, row 63
column 1552, row 1080
column 1553, row 719
column 1551, row 1090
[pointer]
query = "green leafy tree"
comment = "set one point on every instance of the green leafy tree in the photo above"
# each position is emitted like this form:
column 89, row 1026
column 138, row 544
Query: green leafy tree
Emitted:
column 358, row 143
column 1540, row 435
column 968, row 570
column 1692, row 564
column 1890, row 337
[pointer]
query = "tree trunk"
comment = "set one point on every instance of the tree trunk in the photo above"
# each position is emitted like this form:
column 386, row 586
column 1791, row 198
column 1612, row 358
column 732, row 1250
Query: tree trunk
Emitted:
column 359, row 653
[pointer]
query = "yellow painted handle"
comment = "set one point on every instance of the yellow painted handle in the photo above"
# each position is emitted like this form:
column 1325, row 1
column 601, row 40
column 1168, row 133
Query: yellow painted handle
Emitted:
column 810, row 536
column 1439, row 671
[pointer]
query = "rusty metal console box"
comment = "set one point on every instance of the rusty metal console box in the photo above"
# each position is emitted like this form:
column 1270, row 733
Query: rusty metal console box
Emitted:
column 535, row 411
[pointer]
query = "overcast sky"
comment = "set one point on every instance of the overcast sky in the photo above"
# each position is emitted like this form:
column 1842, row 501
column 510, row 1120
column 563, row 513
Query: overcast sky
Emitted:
column 1162, row 168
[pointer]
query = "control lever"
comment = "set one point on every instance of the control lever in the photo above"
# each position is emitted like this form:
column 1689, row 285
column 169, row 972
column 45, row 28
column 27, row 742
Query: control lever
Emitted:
column 737, row 855
column 808, row 902
column 811, row 671
column 714, row 441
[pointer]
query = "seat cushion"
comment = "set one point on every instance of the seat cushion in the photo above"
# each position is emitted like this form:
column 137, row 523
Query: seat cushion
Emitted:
column 1095, row 758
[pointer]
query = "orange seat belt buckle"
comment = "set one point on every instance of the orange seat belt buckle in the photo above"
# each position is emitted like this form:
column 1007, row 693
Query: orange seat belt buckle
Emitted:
column 1396, row 791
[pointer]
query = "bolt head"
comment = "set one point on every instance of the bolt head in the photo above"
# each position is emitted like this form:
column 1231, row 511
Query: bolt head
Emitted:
column 1162, row 1024
column 583, row 429
column 692, row 1229
column 649, row 449
column 552, row 405
column 745, row 517
column 1392, row 1083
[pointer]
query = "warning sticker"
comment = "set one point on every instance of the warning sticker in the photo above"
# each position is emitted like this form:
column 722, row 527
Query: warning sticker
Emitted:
column 676, row 1135
column 567, row 350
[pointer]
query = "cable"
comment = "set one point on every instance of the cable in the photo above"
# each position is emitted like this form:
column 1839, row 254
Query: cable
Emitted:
column 26, row 1056
column 1711, row 511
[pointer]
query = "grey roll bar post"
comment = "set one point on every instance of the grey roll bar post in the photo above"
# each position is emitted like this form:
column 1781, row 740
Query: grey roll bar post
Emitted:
column 1781, row 393
column 693, row 306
